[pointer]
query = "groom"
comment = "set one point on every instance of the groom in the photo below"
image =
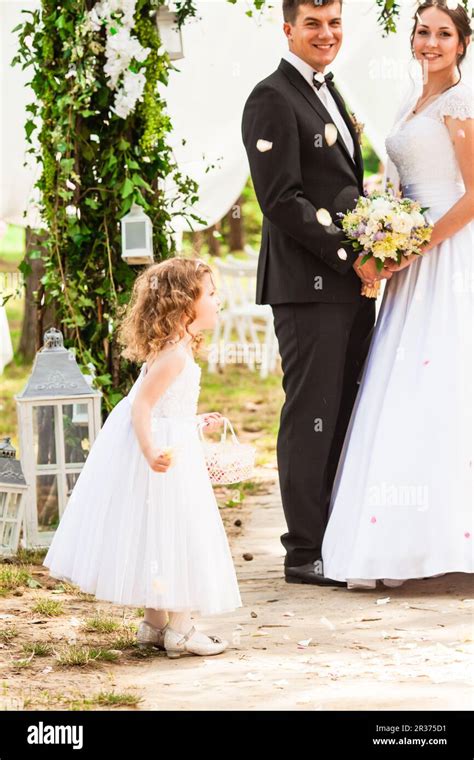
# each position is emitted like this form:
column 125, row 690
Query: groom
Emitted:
column 306, row 166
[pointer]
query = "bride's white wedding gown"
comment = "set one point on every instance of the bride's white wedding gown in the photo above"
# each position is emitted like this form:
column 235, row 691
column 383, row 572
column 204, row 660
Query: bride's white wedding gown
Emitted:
column 401, row 505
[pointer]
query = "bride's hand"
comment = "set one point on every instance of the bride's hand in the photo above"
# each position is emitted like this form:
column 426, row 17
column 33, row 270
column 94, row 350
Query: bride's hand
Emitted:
column 405, row 262
column 212, row 421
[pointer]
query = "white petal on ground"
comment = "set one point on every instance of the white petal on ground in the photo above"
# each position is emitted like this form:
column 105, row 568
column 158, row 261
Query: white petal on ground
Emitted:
column 328, row 623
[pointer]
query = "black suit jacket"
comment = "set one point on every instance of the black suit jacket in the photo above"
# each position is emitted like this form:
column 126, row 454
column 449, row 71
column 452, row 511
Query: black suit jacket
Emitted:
column 301, row 260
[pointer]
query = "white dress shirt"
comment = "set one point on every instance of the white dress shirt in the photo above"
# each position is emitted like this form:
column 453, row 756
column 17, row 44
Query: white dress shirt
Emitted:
column 325, row 97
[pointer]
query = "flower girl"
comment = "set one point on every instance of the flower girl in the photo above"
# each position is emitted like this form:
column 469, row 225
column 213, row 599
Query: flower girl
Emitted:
column 142, row 526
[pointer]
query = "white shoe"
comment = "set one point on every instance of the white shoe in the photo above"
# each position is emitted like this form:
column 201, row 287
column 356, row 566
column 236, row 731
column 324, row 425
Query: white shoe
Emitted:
column 177, row 643
column 150, row 636
column 392, row 583
column 361, row 583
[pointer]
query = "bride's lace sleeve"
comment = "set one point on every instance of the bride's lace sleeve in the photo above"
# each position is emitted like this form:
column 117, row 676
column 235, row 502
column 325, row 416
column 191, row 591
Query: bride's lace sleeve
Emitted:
column 458, row 103
column 391, row 177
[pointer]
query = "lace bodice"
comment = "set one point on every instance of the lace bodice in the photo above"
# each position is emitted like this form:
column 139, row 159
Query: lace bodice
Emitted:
column 181, row 397
column 421, row 146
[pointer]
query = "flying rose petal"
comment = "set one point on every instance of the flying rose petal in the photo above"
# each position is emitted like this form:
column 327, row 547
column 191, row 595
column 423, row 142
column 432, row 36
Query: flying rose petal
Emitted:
column 373, row 519
column 324, row 217
column 330, row 134
column 264, row 145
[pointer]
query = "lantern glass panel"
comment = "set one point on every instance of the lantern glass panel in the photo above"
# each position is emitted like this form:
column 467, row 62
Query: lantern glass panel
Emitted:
column 44, row 435
column 12, row 506
column 3, row 503
column 135, row 235
column 7, row 536
column 76, row 434
column 47, row 501
column 71, row 479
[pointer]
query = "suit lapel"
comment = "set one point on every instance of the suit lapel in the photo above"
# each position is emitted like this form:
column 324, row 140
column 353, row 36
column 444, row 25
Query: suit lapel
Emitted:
column 343, row 111
column 308, row 93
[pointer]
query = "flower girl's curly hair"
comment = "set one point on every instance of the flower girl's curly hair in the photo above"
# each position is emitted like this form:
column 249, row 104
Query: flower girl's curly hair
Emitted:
column 162, row 306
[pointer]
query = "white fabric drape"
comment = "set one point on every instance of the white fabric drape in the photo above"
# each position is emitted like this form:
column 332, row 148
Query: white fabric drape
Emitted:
column 6, row 348
column 226, row 54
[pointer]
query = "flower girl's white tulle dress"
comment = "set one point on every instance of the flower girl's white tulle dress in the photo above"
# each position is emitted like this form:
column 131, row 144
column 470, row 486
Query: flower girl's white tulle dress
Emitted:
column 137, row 537
column 402, row 500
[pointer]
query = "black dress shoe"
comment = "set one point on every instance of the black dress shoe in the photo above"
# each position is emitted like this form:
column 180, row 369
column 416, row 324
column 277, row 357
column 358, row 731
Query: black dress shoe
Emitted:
column 309, row 574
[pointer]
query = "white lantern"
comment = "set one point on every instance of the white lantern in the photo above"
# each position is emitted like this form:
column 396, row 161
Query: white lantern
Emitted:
column 137, row 237
column 54, row 439
column 169, row 32
column 13, row 489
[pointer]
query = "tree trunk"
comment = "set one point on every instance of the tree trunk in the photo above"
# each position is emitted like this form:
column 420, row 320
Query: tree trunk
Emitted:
column 35, row 319
column 213, row 242
column 236, row 230
column 197, row 238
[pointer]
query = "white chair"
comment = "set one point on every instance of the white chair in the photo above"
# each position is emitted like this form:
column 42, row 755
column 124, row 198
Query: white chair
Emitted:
column 239, row 311
column 250, row 252
column 6, row 347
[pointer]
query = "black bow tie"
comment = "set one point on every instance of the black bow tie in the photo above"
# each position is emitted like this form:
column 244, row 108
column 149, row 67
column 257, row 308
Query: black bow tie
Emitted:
column 319, row 79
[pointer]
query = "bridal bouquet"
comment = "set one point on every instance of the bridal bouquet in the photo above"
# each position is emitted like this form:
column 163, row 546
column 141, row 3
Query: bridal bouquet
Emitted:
column 386, row 227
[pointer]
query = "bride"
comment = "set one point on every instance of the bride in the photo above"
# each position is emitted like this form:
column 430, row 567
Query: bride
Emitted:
column 401, row 504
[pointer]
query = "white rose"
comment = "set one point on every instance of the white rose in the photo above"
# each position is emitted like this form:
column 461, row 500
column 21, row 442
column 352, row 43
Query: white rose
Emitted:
column 372, row 227
column 403, row 223
column 380, row 207
column 417, row 218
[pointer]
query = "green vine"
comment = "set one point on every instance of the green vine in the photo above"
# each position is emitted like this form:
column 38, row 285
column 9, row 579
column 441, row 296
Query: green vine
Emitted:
column 95, row 164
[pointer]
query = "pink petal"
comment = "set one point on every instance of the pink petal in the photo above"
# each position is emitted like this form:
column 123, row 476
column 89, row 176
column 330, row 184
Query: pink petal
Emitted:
column 427, row 361
column 467, row 534
column 373, row 519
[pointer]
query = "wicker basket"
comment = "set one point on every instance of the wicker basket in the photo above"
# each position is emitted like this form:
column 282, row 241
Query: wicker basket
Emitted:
column 228, row 461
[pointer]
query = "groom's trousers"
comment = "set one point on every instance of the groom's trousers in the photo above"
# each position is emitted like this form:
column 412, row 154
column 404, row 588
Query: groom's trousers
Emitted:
column 323, row 347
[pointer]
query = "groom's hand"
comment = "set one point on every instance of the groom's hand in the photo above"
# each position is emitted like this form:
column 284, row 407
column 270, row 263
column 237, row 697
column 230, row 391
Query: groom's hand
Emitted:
column 368, row 272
